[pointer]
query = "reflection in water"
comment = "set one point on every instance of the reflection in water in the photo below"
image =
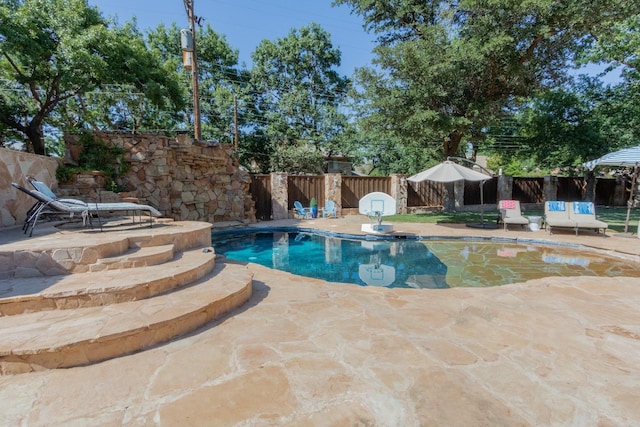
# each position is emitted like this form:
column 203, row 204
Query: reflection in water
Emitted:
column 417, row 264
column 399, row 263
column 558, row 259
column 377, row 274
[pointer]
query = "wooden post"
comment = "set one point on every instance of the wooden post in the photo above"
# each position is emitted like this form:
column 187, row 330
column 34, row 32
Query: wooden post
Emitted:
column 197, row 133
column 236, row 138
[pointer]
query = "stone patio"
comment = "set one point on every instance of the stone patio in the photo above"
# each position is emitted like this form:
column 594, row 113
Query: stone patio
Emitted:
column 301, row 352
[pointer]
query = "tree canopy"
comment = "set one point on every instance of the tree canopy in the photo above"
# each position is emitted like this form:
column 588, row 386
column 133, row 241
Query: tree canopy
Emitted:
column 298, row 94
column 445, row 75
column 60, row 49
column 446, row 70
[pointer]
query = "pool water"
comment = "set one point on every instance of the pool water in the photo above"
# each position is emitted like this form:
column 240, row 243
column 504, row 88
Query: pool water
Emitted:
column 416, row 263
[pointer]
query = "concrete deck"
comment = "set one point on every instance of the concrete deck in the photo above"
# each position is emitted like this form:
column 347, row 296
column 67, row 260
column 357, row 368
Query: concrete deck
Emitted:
column 549, row 352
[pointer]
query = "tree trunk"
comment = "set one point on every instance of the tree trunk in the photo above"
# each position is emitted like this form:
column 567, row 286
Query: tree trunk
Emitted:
column 34, row 134
column 451, row 144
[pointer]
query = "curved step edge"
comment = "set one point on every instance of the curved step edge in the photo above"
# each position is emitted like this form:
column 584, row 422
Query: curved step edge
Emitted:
column 228, row 288
column 102, row 288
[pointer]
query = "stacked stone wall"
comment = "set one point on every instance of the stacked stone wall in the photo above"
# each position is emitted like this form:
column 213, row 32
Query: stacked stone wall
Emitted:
column 184, row 179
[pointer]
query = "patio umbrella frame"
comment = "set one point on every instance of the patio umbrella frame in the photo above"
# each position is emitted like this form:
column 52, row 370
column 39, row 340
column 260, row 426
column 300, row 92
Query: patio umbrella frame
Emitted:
column 627, row 157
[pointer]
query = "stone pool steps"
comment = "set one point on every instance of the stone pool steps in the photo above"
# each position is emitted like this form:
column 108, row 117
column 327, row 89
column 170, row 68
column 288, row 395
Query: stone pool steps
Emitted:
column 127, row 290
column 103, row 287
column 136, row 257
column 66, row 338
column 78, row 252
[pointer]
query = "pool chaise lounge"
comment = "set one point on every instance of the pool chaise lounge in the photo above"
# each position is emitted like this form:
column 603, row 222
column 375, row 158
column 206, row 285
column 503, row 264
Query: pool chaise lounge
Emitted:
column 574, row 215
column 584, row 215
column 47, row 204
column 510, row 213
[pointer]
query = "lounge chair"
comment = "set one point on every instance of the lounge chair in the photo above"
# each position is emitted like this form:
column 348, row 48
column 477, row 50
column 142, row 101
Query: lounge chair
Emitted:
column 584, row 215
column 510, row 213
column 40, row 207
column 329, row 209
column 556, row 215
column 47, row 204
column 302, row 212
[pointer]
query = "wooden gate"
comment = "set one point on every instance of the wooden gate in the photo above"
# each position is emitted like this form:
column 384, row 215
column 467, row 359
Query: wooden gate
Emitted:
column 260, row 189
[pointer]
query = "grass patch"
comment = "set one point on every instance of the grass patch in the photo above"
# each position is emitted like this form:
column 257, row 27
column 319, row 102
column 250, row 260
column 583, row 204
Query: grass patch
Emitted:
column 613, row 216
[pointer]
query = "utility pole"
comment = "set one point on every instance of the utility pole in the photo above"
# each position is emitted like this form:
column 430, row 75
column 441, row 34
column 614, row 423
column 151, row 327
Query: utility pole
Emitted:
column 188, row 5
column 236, row 138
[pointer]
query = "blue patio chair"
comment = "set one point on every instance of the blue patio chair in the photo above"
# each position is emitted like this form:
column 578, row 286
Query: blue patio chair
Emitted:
column 304, row 213
column 329, row 209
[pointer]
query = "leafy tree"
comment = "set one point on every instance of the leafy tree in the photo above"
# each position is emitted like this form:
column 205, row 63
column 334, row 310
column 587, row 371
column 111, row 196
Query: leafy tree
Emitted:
column 561, row 129
column 451, row 68
column 56, row 50
column 564, row 127
column 298, row 93
column 617, row 45
column 124, row 106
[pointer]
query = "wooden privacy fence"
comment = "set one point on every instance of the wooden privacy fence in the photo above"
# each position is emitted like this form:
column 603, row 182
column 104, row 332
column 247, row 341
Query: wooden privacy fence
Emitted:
column 606, row 191
column 609, row 192
column 425, row 193
column 571, row 189
column 355, row 188
column 476, row 193
column 528, row 190
column 304, row 187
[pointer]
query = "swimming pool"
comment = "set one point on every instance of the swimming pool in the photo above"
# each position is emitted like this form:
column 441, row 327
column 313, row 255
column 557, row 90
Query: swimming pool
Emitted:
column 414, row 263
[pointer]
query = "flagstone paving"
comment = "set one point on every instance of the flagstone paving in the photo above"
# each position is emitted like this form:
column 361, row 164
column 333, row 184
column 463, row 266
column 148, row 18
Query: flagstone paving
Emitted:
column 301, row 352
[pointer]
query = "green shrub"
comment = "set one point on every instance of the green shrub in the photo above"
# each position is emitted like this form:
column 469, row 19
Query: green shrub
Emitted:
column 97, row 156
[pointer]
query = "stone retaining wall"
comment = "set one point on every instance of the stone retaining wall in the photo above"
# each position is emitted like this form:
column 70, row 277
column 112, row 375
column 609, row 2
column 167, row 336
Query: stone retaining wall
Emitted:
column 184, row 179
column 14, row 167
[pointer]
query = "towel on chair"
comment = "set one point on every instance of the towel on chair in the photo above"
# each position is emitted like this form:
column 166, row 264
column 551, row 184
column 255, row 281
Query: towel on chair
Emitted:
column 583, row 208
column 508, row 204
column 556, row 206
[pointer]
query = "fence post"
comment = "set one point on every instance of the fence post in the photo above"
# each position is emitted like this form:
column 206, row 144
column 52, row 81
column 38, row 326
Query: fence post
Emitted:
column 399, row 192
column 505, row 187
column 279, row 195
column 333, row 189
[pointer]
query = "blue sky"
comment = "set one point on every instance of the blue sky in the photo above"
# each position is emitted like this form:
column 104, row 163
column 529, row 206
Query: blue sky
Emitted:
column 247, row 22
